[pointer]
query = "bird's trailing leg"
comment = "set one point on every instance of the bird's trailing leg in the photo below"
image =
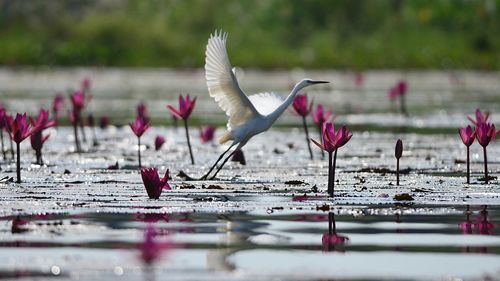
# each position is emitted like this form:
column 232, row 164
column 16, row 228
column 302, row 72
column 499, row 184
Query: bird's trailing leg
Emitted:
column 216, row 162
column 225, row 161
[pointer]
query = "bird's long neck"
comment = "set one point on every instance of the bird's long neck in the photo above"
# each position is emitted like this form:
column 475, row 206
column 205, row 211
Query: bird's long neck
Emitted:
column 289, row 99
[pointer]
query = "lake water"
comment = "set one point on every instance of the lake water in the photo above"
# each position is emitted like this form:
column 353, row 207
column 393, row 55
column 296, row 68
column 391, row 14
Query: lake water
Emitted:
column 268, row 219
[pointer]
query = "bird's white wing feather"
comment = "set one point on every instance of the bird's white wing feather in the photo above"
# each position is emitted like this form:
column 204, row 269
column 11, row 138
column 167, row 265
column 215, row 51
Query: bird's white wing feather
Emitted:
column 222, row 84
column 266, row 103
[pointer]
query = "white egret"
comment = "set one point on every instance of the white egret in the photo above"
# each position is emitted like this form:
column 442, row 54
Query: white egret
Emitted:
column 248, row 115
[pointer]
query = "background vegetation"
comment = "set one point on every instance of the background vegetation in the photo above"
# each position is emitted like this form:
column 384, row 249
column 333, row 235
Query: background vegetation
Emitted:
column 263, row 33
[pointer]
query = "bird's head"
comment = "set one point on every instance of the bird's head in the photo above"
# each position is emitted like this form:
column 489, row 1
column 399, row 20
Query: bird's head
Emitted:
column 308, row 82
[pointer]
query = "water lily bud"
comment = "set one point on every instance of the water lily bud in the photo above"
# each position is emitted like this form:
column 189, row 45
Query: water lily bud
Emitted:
column 399, row 149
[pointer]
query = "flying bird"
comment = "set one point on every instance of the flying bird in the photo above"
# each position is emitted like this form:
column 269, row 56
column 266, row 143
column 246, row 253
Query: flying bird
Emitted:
column 247, row 115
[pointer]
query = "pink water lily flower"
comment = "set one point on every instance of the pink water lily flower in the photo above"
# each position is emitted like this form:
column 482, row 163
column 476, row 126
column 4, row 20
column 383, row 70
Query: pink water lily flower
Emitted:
column 480, row 117
column 142, row 111
column 57, row 104
column 104, row 122
column 139, row 126
column 19, row 129
column 86, row 84
column 303, row 109
column 402, row 86
column 332, row 140
column 301, row 106
column 207, row 133
column 467, row 135
column 78, row 100
column 186, row 106
column 320, row 116
column 159, row 141
column 42, row 122
column 485, row 133
column 393, row 93
column 154, row 185
column 37, row 139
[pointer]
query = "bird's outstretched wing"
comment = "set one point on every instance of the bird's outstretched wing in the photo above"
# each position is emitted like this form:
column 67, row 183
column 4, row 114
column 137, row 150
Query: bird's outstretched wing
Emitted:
column 222, row 84
column 266, row 103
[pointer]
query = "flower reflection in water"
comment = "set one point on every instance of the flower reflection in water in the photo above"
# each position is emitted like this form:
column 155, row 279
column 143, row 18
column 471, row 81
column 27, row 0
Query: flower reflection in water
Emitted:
column 480, row 226
column 331, row 239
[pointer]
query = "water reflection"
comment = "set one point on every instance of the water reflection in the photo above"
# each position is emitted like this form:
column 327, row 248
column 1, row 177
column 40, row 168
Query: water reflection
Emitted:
column 332, row 240
column 480, row 226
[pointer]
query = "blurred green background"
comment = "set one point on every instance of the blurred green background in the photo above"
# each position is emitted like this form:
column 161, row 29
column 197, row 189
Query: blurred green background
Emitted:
column 362, row 34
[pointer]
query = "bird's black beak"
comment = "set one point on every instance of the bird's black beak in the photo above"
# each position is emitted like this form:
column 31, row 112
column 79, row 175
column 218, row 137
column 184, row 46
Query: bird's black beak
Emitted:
column 319, row 82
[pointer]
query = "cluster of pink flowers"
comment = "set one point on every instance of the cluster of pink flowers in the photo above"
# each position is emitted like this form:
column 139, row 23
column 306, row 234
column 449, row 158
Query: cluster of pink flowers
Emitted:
column 303, row 108
column 20, row 128
column 484, row 131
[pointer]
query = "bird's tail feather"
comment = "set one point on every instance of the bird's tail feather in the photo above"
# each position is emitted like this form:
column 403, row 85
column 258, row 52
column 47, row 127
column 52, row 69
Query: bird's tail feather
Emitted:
column 225, row 137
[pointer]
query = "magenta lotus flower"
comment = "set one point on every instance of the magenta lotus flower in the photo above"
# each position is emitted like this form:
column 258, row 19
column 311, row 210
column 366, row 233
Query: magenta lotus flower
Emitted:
column 86, row 84
column 302, row 108
column 320, row 117
column 480, row 117
column 78, row 100
column 467, row 135
column 57, row 105
column 159, row 141
column 331, row 141
column 142, row 111
column 402, row 87
column 3, row 120
column 393, row 93
column 186, row 106
column 207, row 133
column 139, row 127
column 19, row 129
column 37, row 139
column 399, row 91
column 104, row 122
column 154, row 185
column 485, row 133
column 42, row 122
